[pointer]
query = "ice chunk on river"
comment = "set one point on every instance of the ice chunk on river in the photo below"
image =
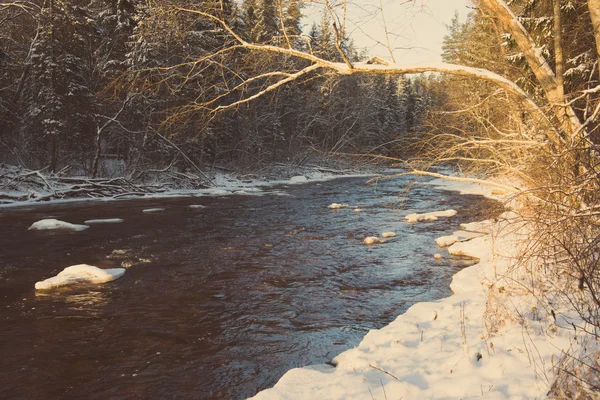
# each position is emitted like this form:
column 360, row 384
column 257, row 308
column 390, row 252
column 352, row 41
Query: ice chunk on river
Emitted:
column 151, row 210
column 104, row 221
column 430, row 216
column 51, row 223
column 80, row 274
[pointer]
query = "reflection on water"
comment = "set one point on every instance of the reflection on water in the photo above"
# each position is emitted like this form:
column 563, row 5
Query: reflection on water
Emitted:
column 85, row 299
column 217, row 302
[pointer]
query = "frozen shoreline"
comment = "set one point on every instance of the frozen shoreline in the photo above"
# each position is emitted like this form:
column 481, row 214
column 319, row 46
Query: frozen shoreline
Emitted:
column 226, row 185
column 490, row 339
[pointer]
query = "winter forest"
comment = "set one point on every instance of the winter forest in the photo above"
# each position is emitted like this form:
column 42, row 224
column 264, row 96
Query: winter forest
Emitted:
column 109, row 98
column 118, row 88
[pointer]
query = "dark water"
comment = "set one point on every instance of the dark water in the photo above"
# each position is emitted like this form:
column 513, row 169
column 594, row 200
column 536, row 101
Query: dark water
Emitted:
column 220, row 301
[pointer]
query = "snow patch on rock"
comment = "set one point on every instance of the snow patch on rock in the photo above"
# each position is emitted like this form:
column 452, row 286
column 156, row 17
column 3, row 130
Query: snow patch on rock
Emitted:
column 51, row 224
column 151, row 210
column 80, row 274
column 372, row 240
column 445, row 241
column 337, row 206
column 430, row 216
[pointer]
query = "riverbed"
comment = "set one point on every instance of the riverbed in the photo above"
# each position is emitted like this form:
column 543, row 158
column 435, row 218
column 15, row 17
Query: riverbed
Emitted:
column 218, row 301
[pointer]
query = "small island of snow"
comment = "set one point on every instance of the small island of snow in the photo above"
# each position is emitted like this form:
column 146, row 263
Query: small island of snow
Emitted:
column 337, row 206
column 372, row 240
column 430, row 216
column 50, row 223
column 150, row 210
column 80, row 274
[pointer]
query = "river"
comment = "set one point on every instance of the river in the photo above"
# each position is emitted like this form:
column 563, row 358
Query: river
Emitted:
column 218, row 302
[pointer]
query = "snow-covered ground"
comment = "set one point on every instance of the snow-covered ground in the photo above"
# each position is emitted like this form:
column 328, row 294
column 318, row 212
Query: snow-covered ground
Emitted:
column 492, row 338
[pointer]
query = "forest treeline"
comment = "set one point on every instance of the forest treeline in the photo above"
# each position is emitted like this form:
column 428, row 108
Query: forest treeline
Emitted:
column 117, row 87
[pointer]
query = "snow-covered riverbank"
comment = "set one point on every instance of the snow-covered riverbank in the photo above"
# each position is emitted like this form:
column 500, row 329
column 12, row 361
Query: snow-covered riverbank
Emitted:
column 492, row 338
column 26, row 191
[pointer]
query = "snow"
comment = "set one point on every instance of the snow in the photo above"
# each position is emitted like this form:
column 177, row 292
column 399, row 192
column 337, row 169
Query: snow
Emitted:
column 462, row 236
column 478, row 227
column 458, row 236
column 298, row 179
column 197, row 206
column 225, row 185
column 490, row 339
column 441, row 349
column 51, row 223
column 80, row 274
column 445, row 241
column 151, row 210
column 104, row 221
column 430, row 216
column 372, row 240
column 337, row 206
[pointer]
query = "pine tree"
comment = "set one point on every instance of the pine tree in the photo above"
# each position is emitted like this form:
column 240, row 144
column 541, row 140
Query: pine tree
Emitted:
column 392, row 123
column 59, row 102
column 292, row 19
column 269, row 23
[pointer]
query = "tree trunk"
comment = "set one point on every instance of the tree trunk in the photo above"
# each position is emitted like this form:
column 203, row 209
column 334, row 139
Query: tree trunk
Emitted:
column 558, row 50
column 53, row 151
column 594, row 7
column 98, row 152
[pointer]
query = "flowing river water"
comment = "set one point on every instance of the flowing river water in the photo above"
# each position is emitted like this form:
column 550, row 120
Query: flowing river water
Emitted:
column 217, row 302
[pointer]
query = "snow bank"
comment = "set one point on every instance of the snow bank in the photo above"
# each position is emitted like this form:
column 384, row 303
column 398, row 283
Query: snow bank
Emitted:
column 430, row 216
column 467, row 249
column 445, row 349
column 478, row 227
column 466, row 235
column 49, row 224
column 457, row 236
column 104, row 221
column 490, row 339
column 80, row 274
column 298, row 179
